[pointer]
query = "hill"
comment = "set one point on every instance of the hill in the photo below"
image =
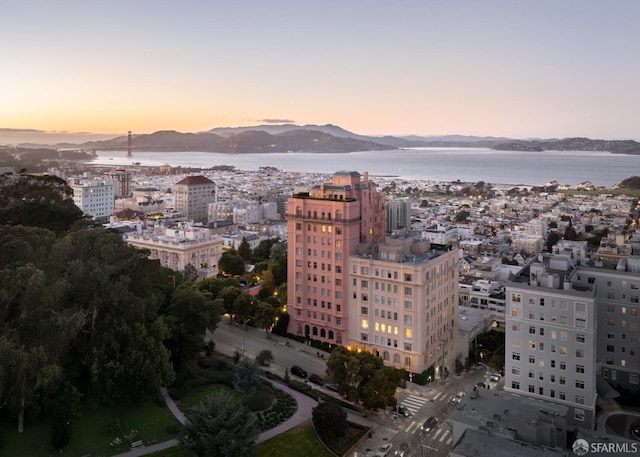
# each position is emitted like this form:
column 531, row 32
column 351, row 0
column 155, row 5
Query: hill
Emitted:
column 332, row 138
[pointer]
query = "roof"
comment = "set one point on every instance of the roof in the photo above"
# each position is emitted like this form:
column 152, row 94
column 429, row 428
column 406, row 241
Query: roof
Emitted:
column 194, row 180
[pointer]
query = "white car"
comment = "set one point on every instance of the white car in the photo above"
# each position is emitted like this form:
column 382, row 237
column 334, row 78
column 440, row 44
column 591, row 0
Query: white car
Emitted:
column 494, row 378
column 384, row 450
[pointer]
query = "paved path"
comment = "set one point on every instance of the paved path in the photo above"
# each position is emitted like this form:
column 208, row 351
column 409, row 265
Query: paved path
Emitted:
column 302, row 414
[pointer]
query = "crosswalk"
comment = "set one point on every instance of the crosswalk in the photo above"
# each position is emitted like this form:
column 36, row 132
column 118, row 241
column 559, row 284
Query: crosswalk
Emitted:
column 441, row 435
column 438, row 395
column 414, row 403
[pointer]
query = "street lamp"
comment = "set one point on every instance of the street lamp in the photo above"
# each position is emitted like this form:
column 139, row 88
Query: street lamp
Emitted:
column 244, row 330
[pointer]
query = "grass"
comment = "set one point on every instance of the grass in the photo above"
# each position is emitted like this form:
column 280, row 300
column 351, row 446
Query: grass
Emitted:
column 94, row 431
column 201, row 394
column 300, row 440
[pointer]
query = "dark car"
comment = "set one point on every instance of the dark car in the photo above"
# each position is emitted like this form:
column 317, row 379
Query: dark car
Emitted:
column 429, row 424
column 481, row 384
column 331, row 387
column 314, row 378
column 296, row 370
column 406, row 412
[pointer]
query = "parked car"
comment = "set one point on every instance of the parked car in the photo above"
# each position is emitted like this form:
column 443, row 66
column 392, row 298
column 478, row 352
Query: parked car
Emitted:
column 331, row 387
column 494, row 377
column 481, row 384
column 384, row 450
column 296, row 370
column 457, row 397
column 429, row 424
column 316, row 379
column 406, row 412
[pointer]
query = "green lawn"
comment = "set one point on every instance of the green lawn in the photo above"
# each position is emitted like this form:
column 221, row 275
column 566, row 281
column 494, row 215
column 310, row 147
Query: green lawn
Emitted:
column 201, row 394
column 299, row 441
column 93, row 432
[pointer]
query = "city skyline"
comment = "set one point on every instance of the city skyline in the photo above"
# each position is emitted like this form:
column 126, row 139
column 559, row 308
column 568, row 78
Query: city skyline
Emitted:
column 75, row 71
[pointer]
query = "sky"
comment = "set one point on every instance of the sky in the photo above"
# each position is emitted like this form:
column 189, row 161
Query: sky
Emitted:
column 520, row 69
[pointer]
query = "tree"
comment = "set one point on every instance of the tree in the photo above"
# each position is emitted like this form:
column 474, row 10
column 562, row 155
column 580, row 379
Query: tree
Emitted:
column 38, row 201
column 461, row 216
column 219, row 427
column 246, row 376
column 244, row 306
column 378, row 391
column 244, row 250
column 190, row 273
column 189, row 316
column 264, row 358
column 264, row 315
column 329, row 420
column 552, row 240
column 231, row 264
column 570, row 232
column 458, row 366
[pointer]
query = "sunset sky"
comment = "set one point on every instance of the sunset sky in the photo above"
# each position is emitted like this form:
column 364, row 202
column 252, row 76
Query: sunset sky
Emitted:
column 522, row 69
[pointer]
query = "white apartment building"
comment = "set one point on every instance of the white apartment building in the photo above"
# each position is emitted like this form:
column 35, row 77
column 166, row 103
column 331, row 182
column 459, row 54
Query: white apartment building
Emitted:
column 403, row 301
column 94, row 196
column 180, row 245
column 550, row 343
column 531, row 244
column 441, row 233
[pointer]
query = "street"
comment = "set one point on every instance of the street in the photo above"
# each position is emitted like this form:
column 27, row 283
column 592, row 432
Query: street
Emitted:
column 434, row 399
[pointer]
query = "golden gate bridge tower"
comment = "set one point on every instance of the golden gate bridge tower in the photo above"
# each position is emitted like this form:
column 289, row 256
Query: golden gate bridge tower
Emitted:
column 129, row 154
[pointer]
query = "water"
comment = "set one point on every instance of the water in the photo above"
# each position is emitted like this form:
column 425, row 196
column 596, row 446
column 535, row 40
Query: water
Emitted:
column 436, row 164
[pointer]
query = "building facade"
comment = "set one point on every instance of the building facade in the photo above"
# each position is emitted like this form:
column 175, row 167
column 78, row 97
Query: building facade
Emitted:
column 325, row 226
column 398, row 215
column 180, row 245
column 403, row 300
column 94, row 196
column 192, row 196
column 550, row 343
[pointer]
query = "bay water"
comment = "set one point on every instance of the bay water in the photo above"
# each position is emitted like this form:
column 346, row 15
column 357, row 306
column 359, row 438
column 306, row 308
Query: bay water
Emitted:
column 432, row 164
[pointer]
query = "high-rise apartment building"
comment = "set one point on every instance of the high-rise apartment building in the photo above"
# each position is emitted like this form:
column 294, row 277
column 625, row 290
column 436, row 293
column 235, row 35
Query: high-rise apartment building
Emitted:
column 325, row 227
column 588, row 310
column 550, row 342
column 192, row 196
column 398, row 214
column 122, row 182
column 403, row 302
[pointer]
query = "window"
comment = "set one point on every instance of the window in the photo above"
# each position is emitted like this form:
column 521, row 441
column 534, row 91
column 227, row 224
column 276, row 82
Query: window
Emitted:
column 515, row 327
column 515, row 342
column 579, row 413
column 563, row 366
column 579, row 368
column 563, row 380
column 515, row 385
column 515, row 371
column 580, row 353
column 532, row 359
column 408, row 332
column 515, row 356
column 532, row 330
column 532, row 344
column 579, row 384
column 408, row 291
column 580, row 338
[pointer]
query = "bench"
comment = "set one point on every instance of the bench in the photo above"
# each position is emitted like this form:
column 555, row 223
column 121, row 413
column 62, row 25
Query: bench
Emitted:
column 137, row 444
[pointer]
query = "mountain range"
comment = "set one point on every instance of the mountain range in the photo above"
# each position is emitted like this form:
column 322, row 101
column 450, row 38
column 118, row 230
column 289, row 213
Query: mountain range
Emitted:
column 329, row 138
